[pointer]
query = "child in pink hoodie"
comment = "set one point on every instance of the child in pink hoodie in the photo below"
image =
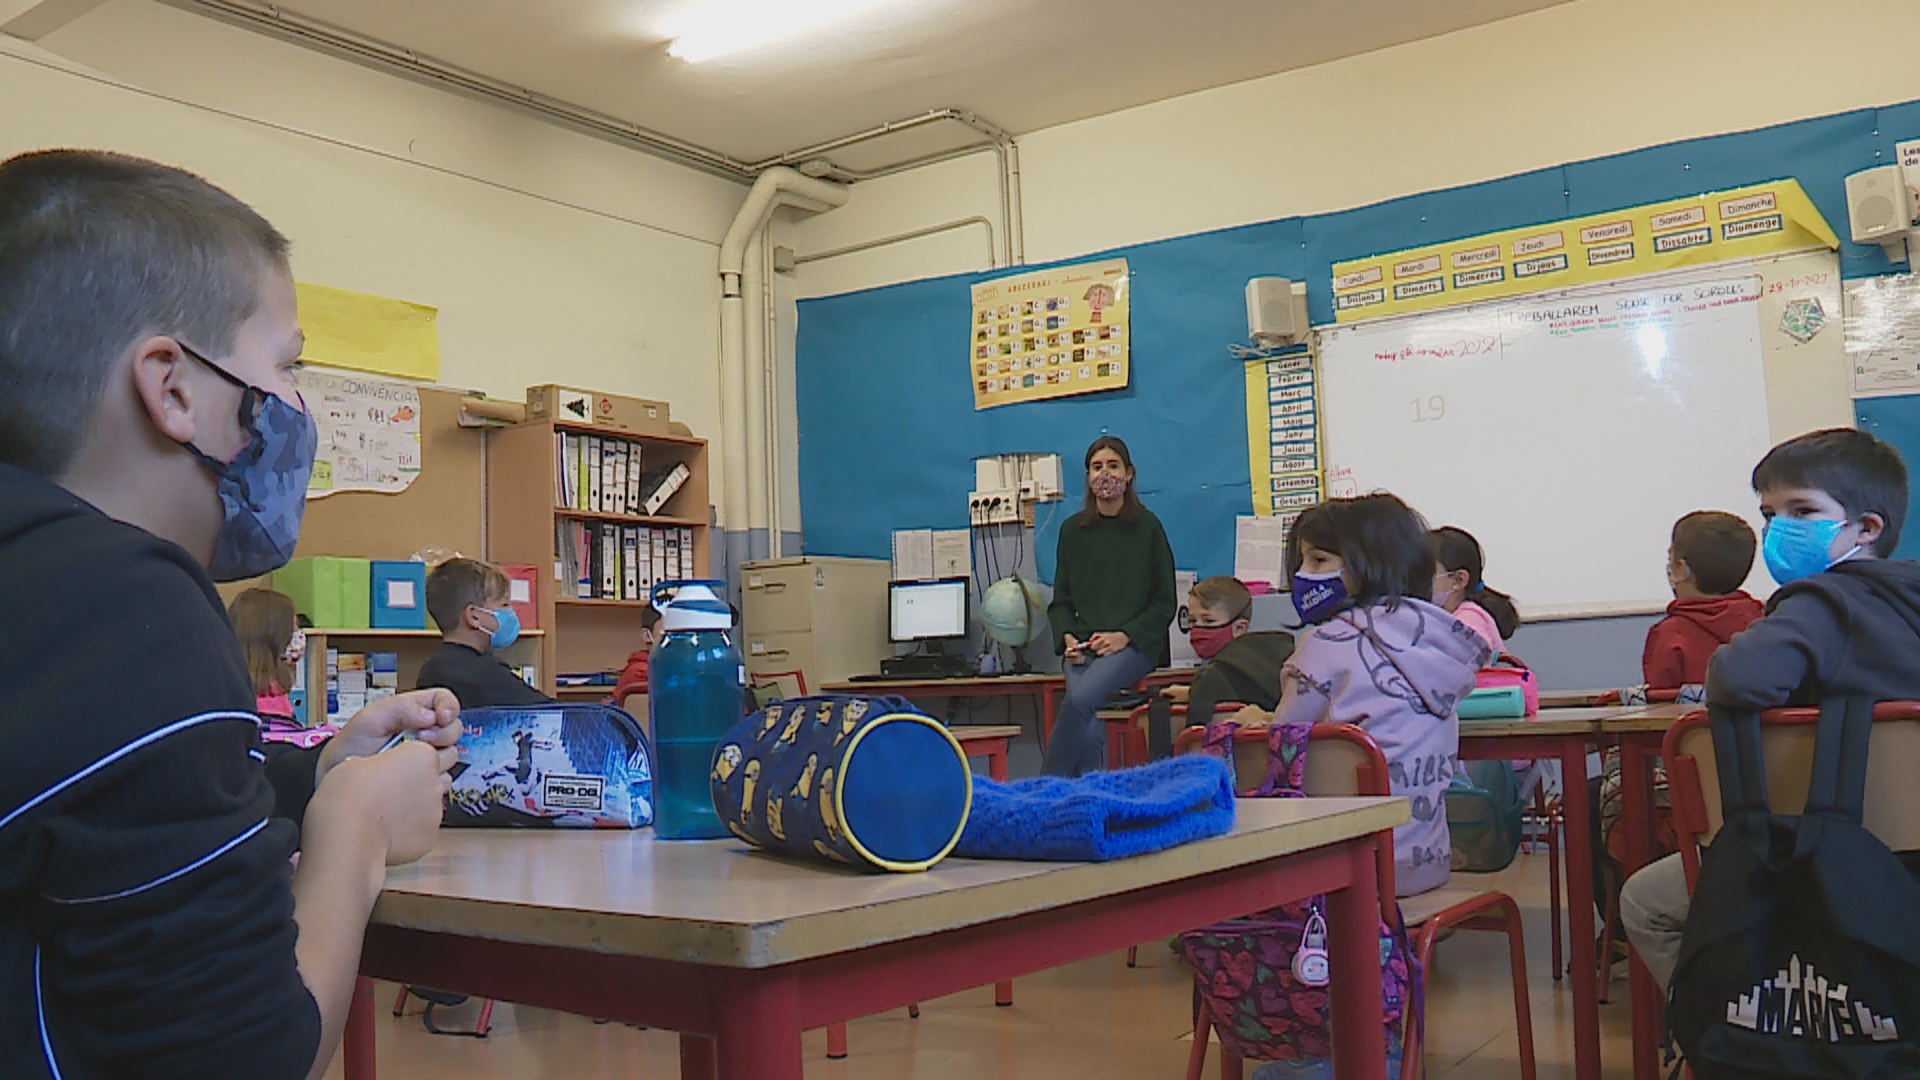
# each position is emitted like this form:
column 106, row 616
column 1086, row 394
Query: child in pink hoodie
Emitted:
column 1383, row 657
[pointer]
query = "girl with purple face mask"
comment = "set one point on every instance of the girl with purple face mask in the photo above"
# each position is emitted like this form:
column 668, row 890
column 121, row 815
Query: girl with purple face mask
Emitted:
column 1113, row 600
column 1379, row 654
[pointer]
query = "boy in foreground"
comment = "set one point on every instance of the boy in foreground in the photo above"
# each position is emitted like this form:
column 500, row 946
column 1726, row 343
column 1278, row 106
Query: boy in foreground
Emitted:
column 152, row 439
column 1846, row 622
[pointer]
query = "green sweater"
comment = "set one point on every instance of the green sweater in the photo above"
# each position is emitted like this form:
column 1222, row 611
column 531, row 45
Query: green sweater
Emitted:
column 1113, row 576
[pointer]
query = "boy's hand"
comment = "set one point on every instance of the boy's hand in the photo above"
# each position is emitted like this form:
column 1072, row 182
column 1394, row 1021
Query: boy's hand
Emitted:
column 390, row 802
column 1252, row 716
column 1179, row 695
column 431, row 715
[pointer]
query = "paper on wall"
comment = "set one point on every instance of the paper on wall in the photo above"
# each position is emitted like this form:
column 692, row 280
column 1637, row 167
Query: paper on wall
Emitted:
column 1909, row 154
column 369, row 432
column 952, row 553
column 913, row 555
column 1883, row 335
column 1260, row 549
column 1180, row 652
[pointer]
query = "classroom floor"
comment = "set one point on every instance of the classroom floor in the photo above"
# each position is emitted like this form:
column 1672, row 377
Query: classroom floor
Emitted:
column 1096, row 1018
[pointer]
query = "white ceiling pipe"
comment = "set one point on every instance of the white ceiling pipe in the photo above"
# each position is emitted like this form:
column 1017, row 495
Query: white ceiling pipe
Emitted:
column 778, row 186
column 752, row 290
column 775, row 516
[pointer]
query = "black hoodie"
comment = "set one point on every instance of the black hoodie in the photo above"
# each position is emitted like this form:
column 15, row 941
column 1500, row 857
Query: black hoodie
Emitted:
column 1852, row 631
column 146, row 918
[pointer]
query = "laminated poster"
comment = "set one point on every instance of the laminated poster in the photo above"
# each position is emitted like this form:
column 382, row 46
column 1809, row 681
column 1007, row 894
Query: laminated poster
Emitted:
column 1883, row 335
column 1050, row 334
column 369, row 432
column 1283, row 436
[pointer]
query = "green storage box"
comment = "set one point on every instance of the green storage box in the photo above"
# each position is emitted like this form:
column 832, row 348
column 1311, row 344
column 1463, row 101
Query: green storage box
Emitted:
column 335, row 592
column 1495, row 703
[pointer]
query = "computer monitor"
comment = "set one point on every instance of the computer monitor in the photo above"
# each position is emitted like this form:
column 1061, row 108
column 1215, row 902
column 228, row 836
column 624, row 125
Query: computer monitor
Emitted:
column 927, row 610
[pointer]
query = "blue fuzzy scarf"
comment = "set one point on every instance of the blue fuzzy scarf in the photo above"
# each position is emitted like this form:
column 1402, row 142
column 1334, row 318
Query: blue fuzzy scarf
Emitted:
column 1110, row 815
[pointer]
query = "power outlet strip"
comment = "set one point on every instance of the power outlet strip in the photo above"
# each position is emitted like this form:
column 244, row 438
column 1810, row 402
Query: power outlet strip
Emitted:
column 1001, row 507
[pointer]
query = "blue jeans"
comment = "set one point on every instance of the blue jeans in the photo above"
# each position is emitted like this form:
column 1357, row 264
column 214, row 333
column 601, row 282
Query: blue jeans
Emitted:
column 1079, row 744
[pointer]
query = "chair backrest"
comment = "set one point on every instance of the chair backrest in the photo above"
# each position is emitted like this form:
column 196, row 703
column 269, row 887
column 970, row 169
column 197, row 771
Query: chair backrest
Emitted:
column 1786, row 741
column 773, row 677
column 1342, row 762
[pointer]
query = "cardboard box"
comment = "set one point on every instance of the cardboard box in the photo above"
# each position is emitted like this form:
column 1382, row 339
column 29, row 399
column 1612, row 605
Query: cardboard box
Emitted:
column 334, row 592
column 399, row 597
column 610, row 411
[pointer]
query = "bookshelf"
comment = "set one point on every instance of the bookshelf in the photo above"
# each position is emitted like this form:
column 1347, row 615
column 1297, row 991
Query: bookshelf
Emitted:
column 412, row 647
column 525, row 518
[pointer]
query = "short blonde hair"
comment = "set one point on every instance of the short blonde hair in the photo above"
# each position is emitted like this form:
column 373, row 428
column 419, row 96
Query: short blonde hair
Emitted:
column 1222, row 593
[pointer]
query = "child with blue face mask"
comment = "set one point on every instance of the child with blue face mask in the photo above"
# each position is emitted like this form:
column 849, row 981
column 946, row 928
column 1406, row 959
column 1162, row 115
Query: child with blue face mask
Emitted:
column 1845, row 622
column 1379, row 654
column 469, row 601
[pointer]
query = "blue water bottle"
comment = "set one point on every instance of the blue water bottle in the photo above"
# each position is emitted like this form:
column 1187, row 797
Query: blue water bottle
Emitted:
column 696, row 692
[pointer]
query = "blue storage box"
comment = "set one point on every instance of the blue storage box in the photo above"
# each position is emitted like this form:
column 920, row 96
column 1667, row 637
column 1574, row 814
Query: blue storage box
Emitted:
column 399, row 599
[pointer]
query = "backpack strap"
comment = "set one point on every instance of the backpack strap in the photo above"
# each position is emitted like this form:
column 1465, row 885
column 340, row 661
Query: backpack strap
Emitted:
column 1743, row 774
column 1837, row 788
column 1286, row 762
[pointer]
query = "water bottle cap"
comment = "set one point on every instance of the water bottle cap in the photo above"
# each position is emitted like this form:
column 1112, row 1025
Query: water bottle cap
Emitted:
column 692, row 605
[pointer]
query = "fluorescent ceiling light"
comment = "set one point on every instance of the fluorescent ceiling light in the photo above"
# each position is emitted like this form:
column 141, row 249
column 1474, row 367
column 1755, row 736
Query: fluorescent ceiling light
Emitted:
column 711, row 28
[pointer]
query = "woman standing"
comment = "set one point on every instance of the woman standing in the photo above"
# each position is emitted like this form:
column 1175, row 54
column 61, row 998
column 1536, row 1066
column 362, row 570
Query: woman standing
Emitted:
column 1113, row 600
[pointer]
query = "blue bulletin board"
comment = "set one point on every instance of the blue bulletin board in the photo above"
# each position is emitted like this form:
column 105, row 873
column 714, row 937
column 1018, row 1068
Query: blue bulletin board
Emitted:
column 888, row 429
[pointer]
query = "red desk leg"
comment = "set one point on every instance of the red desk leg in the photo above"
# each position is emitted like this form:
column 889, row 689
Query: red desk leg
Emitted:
column 758, row 1036
column 358, row 1050
column 1636, row 818
column 1586, row 990
column 1359, row 1050
column 696, row 1057
column 1049, row 711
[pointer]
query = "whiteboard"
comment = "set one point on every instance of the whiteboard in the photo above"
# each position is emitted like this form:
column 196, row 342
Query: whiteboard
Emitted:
column 1567, row 431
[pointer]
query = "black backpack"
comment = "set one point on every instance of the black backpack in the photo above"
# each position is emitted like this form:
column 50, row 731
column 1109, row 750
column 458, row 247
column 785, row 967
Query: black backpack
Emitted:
column 1802, row 950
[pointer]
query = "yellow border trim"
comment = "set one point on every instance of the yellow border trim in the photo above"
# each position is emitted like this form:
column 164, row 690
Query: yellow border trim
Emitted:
column 840, row 784
column 1773, row 218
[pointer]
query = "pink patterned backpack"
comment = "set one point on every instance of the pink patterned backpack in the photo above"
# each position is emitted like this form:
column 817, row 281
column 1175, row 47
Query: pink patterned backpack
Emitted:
column 1262, row 979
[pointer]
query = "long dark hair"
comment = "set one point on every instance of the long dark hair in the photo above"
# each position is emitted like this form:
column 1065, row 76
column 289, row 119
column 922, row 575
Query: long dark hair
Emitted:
column 1382, row 541
column 264, row 622
column 1456, row 549
column 1130, row 505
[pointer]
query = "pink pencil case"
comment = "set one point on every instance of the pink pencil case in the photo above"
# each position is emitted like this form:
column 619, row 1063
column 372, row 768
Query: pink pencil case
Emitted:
column 1507, row 670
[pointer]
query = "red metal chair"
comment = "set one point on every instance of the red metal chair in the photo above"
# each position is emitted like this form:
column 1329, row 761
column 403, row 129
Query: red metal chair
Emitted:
column 480, row 1027
column 1345, row 761
column 762, row 678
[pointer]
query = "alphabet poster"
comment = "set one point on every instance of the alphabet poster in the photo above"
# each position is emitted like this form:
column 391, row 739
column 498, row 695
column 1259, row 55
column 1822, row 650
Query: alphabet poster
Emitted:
column 369, row 432
column 1049, row 334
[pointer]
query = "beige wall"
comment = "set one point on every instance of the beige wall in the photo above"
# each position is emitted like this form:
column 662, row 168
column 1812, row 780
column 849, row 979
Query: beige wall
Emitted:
column 553, row 257
column 1575, row 81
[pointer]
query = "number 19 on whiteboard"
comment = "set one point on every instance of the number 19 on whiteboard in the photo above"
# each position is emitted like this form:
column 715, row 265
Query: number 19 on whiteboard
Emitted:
column 1429, row 409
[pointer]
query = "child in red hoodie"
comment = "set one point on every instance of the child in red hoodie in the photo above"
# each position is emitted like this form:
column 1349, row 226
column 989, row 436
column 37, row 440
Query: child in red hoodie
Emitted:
column 1710, row 557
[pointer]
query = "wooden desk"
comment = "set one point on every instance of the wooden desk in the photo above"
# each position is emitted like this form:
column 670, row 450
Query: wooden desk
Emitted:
column 1567, row 735
column 740, row 952
column 1563, row 699
column 1042, row 686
